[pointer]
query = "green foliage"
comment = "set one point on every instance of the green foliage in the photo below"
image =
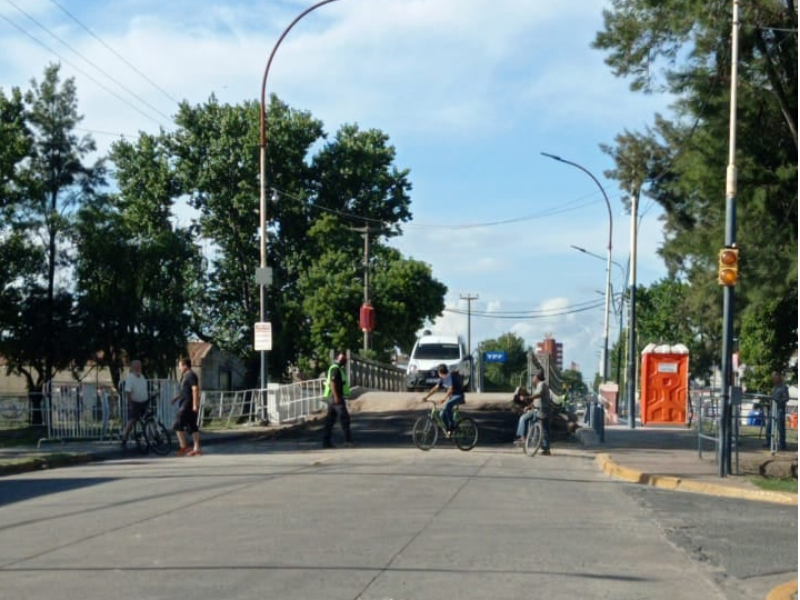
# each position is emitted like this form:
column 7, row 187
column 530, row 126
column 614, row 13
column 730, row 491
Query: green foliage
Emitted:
column 43, row 180
column 765, row 344
column 683, row 47
column 505, row 376
column 572, row 383
column 313, row 249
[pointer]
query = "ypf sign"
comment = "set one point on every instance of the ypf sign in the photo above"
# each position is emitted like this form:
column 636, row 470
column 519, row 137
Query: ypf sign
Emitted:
column 495, row 356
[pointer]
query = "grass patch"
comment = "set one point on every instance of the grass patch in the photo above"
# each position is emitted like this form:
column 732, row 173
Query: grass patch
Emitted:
column 776, row 485
column 21, row 436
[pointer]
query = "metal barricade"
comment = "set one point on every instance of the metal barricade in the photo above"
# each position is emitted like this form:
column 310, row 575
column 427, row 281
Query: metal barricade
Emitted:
column 80, row 411
column 295, row 402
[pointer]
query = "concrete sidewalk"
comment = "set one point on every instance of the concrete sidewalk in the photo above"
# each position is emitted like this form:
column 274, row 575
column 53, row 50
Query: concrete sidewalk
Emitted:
column 668, row 457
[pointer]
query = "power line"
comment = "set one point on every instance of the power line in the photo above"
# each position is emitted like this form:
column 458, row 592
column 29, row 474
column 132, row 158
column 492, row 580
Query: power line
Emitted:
column 78, row 69
column 549, row 212
column 89, row 62
column 115, row 53
column 560, row 313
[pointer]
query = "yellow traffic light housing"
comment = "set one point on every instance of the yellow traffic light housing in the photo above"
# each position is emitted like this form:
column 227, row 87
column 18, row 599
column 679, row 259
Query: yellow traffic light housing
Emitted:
column 728, row 273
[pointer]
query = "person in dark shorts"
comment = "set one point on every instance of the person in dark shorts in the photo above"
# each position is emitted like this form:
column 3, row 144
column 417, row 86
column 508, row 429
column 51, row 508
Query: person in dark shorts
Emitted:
column 186, row 418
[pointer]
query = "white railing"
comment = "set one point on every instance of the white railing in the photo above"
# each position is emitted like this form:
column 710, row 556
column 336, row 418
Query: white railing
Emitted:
column 80, row 411
column 276, row 405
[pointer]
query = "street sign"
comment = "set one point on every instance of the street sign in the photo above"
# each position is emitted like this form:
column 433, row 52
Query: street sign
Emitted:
column 263, row 337
column 494, row 357
column 264, row 276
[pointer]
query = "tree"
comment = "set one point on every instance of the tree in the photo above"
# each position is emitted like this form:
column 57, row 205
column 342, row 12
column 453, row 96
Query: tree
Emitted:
column 507, row 375
column 765, row 345
column 312, row 249
column 573, row 383
column 48, row 185
column 684, row 48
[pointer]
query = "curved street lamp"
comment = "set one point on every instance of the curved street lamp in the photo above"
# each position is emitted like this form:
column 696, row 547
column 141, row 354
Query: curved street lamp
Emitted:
column 263, row 277
column 608, row 266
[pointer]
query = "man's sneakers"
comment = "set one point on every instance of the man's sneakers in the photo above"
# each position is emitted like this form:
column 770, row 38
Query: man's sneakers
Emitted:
column 184, row 451
column 194, row 453
column 546, row 452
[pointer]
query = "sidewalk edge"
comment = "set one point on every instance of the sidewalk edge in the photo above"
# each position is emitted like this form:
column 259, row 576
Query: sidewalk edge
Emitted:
column 617, row 471
column 783, row 591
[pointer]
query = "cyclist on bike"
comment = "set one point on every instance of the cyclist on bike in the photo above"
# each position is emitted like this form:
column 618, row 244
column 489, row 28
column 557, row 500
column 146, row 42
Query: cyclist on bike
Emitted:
column 539, row 409
column 454, row 384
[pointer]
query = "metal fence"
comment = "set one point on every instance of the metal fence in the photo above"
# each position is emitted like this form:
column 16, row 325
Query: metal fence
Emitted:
column 80, row 411
column 276, row 405
column 372, row 375
column 84, row 411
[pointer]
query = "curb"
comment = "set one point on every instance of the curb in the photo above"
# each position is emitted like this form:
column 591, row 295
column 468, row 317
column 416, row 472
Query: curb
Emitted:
column 611, row 468
column 784, row 591
column 26, row 465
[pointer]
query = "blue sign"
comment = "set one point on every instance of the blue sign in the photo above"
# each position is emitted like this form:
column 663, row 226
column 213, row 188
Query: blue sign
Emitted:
column 494, row 357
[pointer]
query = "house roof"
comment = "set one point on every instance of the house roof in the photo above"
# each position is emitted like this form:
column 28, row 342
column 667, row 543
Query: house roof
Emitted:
column 198, row 351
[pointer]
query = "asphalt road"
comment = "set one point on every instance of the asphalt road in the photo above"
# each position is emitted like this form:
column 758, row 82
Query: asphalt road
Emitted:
column 286, row 520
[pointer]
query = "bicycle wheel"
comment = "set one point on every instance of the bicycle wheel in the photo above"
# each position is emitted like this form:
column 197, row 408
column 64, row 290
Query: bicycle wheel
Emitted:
column 533, row 441
column 158, row 437
column 140, row 437
column 425, row 433
column 466, row 434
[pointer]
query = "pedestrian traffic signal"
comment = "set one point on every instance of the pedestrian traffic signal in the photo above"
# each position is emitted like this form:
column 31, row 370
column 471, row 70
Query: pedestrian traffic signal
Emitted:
column 728, row 273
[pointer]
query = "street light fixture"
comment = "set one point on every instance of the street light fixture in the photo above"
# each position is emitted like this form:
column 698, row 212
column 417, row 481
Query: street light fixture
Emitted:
column 608, row 266
column 263, row 274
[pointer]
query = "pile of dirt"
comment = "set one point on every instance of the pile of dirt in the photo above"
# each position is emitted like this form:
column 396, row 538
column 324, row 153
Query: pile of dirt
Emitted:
column 772, row 467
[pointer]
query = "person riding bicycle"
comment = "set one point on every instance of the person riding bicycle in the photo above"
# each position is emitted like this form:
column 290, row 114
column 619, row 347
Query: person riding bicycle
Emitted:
column 539, row 409
column 454, row 384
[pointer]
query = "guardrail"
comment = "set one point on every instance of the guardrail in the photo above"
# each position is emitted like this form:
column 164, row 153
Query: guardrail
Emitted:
column 370, row 374
column 275, row 405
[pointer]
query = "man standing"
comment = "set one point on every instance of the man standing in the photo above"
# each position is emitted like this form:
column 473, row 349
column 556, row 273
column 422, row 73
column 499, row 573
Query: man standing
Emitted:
column 186, row 418
column 780, row 397
column 135, row 390
column 337, row 389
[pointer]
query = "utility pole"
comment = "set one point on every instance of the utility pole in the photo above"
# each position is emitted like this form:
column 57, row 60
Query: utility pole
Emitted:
column 632, row 350
column 365, row 231
column 728, row 298
column 469, row 300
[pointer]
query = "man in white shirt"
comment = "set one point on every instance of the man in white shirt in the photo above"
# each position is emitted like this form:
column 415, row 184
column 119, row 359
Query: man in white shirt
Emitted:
column 136, row 396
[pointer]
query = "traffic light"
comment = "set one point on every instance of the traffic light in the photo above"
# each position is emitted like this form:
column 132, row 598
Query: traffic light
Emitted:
column 728, row 273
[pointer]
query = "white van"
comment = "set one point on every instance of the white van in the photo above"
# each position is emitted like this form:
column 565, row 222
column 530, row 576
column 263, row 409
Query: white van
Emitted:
column 428, row 353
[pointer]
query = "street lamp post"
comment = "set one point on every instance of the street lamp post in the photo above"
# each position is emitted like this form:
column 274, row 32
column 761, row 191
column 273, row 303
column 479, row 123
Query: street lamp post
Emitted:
column 263, row 275
column 608, row 266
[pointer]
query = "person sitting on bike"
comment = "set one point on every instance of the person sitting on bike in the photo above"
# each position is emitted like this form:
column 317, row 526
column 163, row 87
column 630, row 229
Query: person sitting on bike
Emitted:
column 540, row 409
column 454, row 384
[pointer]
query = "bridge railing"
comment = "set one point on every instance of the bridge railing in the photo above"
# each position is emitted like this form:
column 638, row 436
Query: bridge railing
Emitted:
column 373, row 375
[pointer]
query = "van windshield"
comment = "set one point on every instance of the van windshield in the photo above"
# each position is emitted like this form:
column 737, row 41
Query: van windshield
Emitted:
column 437, row 352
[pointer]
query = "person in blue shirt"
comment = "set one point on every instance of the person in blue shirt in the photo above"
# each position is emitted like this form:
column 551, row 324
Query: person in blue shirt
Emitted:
column 454, row 384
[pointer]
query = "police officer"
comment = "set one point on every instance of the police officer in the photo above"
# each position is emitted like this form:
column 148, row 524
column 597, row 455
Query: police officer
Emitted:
column 337, row 389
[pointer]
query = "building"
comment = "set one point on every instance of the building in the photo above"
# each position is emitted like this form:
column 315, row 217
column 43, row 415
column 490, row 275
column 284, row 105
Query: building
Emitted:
column 217, row 370
column 553, row 350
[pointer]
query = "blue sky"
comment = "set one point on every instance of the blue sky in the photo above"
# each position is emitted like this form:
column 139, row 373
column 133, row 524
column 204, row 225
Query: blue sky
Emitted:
column 469, row 91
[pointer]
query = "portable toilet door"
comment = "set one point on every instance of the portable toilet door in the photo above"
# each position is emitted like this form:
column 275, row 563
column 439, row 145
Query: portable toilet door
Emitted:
column 664, row 384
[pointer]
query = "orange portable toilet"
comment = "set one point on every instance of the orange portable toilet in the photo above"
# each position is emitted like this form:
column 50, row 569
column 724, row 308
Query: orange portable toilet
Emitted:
column 664, row 384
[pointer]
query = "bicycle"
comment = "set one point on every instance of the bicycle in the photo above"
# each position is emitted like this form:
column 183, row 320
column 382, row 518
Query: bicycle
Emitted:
column 533, row 439
column 151, row 434
column 426, row 429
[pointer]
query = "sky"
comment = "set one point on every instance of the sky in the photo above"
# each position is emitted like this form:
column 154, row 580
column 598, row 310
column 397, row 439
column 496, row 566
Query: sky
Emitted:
column 470, row 93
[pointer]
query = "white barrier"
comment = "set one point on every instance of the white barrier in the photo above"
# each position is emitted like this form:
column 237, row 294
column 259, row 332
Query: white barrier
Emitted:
column 80, row 411
column 276, row 405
